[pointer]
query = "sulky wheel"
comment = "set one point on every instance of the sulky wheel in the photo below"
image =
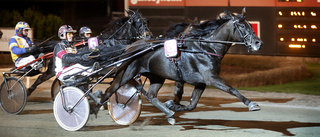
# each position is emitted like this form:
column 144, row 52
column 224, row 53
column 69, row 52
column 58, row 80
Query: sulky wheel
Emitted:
column 125, row 105
column 76, row 119
column 14, row 100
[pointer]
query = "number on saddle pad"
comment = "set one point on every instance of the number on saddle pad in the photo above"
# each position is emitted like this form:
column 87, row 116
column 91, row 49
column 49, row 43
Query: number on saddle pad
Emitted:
column 93, row 44
column 170, row 48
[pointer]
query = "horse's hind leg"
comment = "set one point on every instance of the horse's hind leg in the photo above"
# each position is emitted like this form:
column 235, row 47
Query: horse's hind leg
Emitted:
column 42, row 78
column 196, row 94
column 219, row 83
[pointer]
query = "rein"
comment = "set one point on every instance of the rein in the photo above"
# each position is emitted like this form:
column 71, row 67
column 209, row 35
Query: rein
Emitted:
column 214, row 41
column 207, row 41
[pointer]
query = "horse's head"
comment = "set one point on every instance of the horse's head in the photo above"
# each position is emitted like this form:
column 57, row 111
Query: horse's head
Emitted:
column 132, row 27
column 243, row 32
column 139, row 25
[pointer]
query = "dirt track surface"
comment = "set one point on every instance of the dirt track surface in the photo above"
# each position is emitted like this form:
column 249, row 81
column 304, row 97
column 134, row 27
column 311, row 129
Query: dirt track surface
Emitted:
column 217, row 114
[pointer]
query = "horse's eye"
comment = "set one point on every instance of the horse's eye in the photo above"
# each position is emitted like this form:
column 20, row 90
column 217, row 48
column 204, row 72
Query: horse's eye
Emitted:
column 242, row 26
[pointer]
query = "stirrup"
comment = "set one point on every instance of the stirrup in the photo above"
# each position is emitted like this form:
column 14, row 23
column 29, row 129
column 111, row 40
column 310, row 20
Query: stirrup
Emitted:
column 95, row 66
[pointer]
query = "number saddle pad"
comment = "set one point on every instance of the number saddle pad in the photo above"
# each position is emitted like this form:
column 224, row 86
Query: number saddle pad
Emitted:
column 93, row 44
column 170, row 48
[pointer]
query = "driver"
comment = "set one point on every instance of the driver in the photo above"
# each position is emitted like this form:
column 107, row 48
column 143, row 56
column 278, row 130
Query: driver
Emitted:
column 66, row 58
column 21, row 47
column 84, row 33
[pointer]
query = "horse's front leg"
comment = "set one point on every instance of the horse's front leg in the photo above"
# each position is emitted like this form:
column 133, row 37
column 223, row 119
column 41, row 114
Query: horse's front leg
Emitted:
column 196, row 94
column 155, row 85
column 178, row 92
column 219, row 83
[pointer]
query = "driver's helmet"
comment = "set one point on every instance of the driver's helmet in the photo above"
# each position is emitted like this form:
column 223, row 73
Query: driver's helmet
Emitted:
column 21, row 26
column 84, row 30
column 63, row 30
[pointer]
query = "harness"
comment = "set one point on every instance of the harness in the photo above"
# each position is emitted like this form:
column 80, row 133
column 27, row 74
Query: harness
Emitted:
column 247, row 41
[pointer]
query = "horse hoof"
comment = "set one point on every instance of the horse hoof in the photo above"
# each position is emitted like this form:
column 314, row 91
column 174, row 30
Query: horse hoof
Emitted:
column 253, row 106
column 169, row 104
column 94, row 110
column 172, row 120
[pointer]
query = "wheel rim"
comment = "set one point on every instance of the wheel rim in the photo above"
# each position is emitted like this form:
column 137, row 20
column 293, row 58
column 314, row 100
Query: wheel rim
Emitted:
column 131, row 112
column 78, row 117
column 13, row 102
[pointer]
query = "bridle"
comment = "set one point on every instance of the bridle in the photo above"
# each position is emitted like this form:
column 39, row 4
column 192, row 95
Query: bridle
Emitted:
column 247, row 38
column 142, row 29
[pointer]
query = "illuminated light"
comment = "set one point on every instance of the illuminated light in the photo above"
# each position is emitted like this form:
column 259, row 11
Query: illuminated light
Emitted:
column 299, row 26
column 313, row 13
column 305, row 26
column 292, row 39
column 297, row 46
column 305, row 39
column 295, row 13
column 299, row 0
column 281, row 39
column 291, row 13
column 295, row 26
column 299, row 13
column 314, row 27
column 303, row 13
column 313, row 40
column 280, row 26
column 280, row 13
column 299, row 39
column 287, row 0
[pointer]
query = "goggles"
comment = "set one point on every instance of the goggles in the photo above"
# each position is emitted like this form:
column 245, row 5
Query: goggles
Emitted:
column 69, row 34
column 87, row 34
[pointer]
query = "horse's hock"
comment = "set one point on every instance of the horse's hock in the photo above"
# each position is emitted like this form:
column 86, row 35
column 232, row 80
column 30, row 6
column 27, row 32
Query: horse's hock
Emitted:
column 252, row 70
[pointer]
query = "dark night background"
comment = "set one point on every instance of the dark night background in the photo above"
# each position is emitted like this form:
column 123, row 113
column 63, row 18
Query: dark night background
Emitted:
column 95, row 14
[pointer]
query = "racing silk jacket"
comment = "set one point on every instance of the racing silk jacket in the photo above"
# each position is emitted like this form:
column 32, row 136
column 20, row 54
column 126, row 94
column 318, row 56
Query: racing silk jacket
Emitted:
column 64, row 56
column 18, row 45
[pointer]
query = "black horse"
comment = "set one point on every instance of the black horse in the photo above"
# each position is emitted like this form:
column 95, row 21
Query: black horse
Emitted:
column 199, row 65
column 122, row 31
column 126, row 30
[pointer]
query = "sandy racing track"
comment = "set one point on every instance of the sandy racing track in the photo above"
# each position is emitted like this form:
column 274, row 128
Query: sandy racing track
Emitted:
column 217, row 114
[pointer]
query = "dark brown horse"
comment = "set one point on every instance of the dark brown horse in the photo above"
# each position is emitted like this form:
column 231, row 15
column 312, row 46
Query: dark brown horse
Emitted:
column 200, row 62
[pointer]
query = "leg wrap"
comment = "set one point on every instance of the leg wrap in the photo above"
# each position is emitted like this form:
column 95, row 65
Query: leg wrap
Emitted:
column 163, row 108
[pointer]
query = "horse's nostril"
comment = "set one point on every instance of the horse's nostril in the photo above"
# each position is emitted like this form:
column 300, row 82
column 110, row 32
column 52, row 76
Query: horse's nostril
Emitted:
column 258, row 42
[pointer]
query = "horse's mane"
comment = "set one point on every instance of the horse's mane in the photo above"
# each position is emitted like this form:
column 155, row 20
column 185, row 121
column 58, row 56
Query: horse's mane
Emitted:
column 207, row 27
column 176, row 29
column 113, row 26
